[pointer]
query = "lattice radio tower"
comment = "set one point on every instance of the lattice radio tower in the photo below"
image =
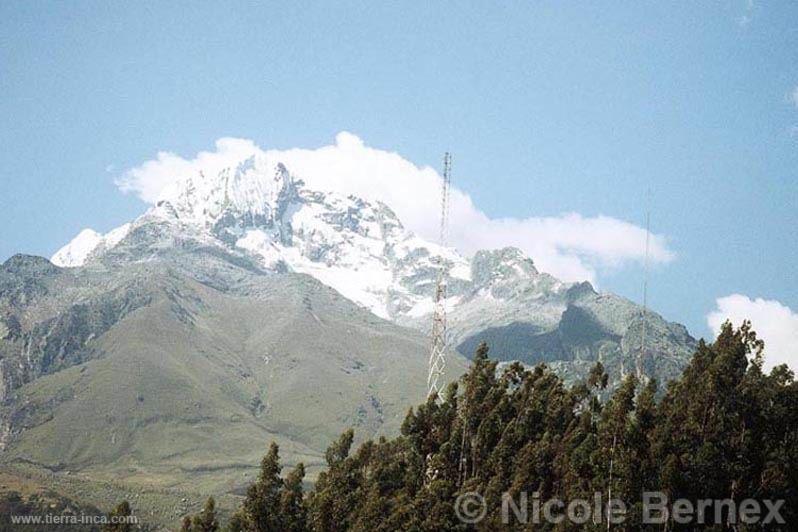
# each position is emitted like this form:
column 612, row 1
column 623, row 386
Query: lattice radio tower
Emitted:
column 437, row 352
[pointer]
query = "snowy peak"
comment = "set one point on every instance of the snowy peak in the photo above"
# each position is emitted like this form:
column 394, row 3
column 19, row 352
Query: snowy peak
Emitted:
column 360, row 248
column 77, row 250
column 257, row 207
column 255, row 188
column 501, row 265
column 508, row 273
column 256, row 216
column 88, row 242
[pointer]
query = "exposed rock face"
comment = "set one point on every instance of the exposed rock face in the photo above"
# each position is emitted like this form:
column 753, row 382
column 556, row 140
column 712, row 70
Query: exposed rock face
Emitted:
column 244, row 306
column 259, row 215
column 189, row 361
column 260, row 211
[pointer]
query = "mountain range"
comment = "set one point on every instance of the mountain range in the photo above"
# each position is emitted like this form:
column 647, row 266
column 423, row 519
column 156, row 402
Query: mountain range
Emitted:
column 244, row 307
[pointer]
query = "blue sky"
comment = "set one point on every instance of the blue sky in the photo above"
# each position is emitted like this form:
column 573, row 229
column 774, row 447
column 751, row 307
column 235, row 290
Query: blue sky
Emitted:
column 548, row 107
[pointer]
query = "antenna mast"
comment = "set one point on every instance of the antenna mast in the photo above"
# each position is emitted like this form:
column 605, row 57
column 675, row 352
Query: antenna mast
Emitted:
column 639, row 368
column 437, row 355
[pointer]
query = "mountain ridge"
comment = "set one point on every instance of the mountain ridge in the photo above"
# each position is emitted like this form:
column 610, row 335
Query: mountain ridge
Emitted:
column 258, row 211
column 298, row 312
column 151, row 372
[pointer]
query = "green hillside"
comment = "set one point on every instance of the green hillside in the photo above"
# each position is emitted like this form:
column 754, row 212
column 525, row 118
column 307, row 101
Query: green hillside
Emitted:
column 185, row 390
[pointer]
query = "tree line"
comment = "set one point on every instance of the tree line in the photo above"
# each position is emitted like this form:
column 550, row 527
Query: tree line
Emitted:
column 724, row 430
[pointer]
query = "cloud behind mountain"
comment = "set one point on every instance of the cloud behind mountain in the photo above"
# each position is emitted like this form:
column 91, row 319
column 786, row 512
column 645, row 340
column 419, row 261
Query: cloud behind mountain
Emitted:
column 569, row 246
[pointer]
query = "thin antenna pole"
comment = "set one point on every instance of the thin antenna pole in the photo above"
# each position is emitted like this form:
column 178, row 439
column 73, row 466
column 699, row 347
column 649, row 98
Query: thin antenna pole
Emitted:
column 645, row 289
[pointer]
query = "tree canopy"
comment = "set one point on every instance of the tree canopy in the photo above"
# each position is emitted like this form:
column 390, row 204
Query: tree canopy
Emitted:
column 725, row 430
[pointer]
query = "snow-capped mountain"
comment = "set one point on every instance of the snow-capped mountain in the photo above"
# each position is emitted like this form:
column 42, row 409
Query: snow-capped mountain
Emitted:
column 246, row 305
column 357, row 247
column 259, row 211
column 86, row 243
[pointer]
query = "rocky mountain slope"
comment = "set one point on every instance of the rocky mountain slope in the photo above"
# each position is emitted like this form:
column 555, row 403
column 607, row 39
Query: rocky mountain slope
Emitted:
column 259, row 211
column 245, row 307
column 156, row 373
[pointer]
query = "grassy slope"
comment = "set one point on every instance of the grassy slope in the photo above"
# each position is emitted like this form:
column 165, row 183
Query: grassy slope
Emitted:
column 156, row 508
column 192, row 387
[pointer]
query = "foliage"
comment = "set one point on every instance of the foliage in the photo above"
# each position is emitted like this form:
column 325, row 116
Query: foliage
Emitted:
column 120, row 513
column 724, row 430
column 205, row 521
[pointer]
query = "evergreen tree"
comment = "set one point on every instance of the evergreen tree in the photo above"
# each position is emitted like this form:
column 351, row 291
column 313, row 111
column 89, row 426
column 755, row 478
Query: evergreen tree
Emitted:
column 206, row 520
column 723, row 430
column 335, row 496
column 292, row 503
column 119, row 518
column 260, row 511
column 238, row 523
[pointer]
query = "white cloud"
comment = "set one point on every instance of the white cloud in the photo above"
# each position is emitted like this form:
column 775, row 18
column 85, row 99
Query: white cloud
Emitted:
column 570, row 246
column 150, row 179
column 793, row 97
column 773, row 322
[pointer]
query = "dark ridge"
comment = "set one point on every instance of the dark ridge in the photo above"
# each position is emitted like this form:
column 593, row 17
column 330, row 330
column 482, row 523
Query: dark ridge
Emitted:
column 21, row 264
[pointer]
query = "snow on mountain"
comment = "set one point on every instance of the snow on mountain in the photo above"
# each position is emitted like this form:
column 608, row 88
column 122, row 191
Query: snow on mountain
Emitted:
column 360, row 248
column 257, row 214
column 77, row 251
